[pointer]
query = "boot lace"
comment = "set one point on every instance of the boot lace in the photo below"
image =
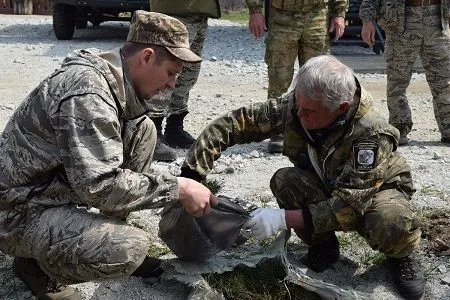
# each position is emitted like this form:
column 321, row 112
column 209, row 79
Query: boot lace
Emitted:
column 406, row 268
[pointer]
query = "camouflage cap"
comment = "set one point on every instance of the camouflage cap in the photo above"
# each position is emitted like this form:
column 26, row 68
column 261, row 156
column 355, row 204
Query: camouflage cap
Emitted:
column 159, row 29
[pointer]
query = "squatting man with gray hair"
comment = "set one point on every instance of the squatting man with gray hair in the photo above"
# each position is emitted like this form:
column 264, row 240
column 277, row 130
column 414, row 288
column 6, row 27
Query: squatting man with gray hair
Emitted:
column 347, row 175
column 82, row 139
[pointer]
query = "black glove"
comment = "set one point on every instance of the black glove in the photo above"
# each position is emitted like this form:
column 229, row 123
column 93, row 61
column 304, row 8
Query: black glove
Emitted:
column 189, row 173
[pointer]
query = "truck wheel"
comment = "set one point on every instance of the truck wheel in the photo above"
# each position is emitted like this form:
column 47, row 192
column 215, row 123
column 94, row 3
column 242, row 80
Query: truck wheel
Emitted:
column 95, row 21
column 81, row 23
column 64, row 21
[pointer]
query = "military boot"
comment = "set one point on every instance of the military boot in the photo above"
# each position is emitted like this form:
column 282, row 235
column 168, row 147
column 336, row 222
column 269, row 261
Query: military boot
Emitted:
column 40, row 284
column 404, row 131
column 403, row 140
column 163, row 152
column 408, row 276
column 323, row 255
column 175, row 135
column 275, row 144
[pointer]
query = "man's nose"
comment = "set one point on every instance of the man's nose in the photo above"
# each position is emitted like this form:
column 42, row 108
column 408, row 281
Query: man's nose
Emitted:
column 171, row 83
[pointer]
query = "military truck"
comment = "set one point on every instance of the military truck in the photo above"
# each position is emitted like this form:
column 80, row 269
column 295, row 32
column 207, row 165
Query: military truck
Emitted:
column 71, row 14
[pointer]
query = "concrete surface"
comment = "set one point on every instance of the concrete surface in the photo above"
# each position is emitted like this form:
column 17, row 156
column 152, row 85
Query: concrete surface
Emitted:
column 371, row 63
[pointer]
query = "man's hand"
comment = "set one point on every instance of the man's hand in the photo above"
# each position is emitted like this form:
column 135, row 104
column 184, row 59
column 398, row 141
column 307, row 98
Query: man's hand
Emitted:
column 265, row 222
column 195, row 197
column 256, row 25
column 337, row 24
column 368, row 33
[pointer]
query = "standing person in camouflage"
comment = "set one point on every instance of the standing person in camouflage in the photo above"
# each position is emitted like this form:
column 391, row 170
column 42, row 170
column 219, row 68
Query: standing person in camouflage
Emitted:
column 347, row 175
column 413, row 28
column 194, row 14
column 82, row 139
column 297, row 29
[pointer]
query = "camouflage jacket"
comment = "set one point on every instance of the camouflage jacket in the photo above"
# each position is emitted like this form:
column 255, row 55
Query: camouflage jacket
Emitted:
column 355, row 161
column 390, row 14
column 337, row 8
column 63, row 145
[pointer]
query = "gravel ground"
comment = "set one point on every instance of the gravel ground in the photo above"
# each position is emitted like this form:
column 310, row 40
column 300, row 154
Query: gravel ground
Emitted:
column 234, row 74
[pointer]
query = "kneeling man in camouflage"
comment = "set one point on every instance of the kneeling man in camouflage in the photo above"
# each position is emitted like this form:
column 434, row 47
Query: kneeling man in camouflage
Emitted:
column 347, row 174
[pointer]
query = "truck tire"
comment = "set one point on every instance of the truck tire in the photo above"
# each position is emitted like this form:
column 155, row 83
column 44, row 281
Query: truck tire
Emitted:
column 81, row 23
column 64, row 21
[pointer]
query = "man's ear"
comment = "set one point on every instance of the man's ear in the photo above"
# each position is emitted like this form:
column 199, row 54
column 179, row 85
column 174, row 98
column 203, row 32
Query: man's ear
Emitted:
column 147, row 56
column 344, row 107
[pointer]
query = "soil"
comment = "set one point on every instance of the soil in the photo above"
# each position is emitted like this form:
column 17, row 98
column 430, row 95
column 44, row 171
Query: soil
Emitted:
column 234, row 74
column 435, row 230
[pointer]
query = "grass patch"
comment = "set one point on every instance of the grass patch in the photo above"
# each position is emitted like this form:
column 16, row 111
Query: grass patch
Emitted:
column 370, row 258
column 353, row 242
column 424, row 213
column 265, row 282
column 213, row 185
column 158, row 250
column 431, row 190
column 240, row 17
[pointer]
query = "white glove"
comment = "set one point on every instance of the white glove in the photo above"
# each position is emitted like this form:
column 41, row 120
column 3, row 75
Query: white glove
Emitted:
column 265, row 222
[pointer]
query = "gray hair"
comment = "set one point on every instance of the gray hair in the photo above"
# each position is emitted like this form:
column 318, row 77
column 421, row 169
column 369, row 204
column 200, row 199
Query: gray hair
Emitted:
column 324, row 78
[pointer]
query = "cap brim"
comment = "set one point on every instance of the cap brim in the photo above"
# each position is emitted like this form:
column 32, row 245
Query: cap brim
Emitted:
column 184, row 54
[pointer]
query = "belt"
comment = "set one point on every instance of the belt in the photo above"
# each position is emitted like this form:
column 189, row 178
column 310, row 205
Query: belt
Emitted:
column 419, row 3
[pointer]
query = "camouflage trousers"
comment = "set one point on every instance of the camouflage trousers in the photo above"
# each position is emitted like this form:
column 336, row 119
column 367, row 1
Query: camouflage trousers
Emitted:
column 424, row 37
column 72, row 244
column 301, row 35
column 388, row 224
column 176, row 101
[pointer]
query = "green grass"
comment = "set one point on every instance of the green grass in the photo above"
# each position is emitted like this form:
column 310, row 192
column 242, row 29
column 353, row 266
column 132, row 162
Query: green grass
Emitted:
column 431, row 190
column 236, row 16
column 354, row 242
column 265, row 282
column 213, row 185
column 158, row 251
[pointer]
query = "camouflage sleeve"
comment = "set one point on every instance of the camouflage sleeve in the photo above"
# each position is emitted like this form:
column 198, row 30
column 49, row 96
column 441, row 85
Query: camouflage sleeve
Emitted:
column 246, row 124
column 89, row 137
column 337, row 8
column 368, row 10
column 254, row 6
column 353, row 191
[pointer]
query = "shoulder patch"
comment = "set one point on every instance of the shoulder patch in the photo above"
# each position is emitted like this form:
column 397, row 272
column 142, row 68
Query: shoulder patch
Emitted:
column 365, row 155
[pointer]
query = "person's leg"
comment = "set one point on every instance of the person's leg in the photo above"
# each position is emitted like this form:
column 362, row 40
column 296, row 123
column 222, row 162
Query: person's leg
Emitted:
column 163, row 152
column 315, row 40
column 74, row 245
column 67, row 244
column 174, row 133
column 139, row 139
column 435, row 56
column 295, row 188
column 280, row 55
column 390, row 226
column 158, row 110
column 401, row 52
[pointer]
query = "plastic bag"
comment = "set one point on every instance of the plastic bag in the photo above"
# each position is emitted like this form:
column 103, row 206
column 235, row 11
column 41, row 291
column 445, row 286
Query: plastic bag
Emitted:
column 199, row 238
